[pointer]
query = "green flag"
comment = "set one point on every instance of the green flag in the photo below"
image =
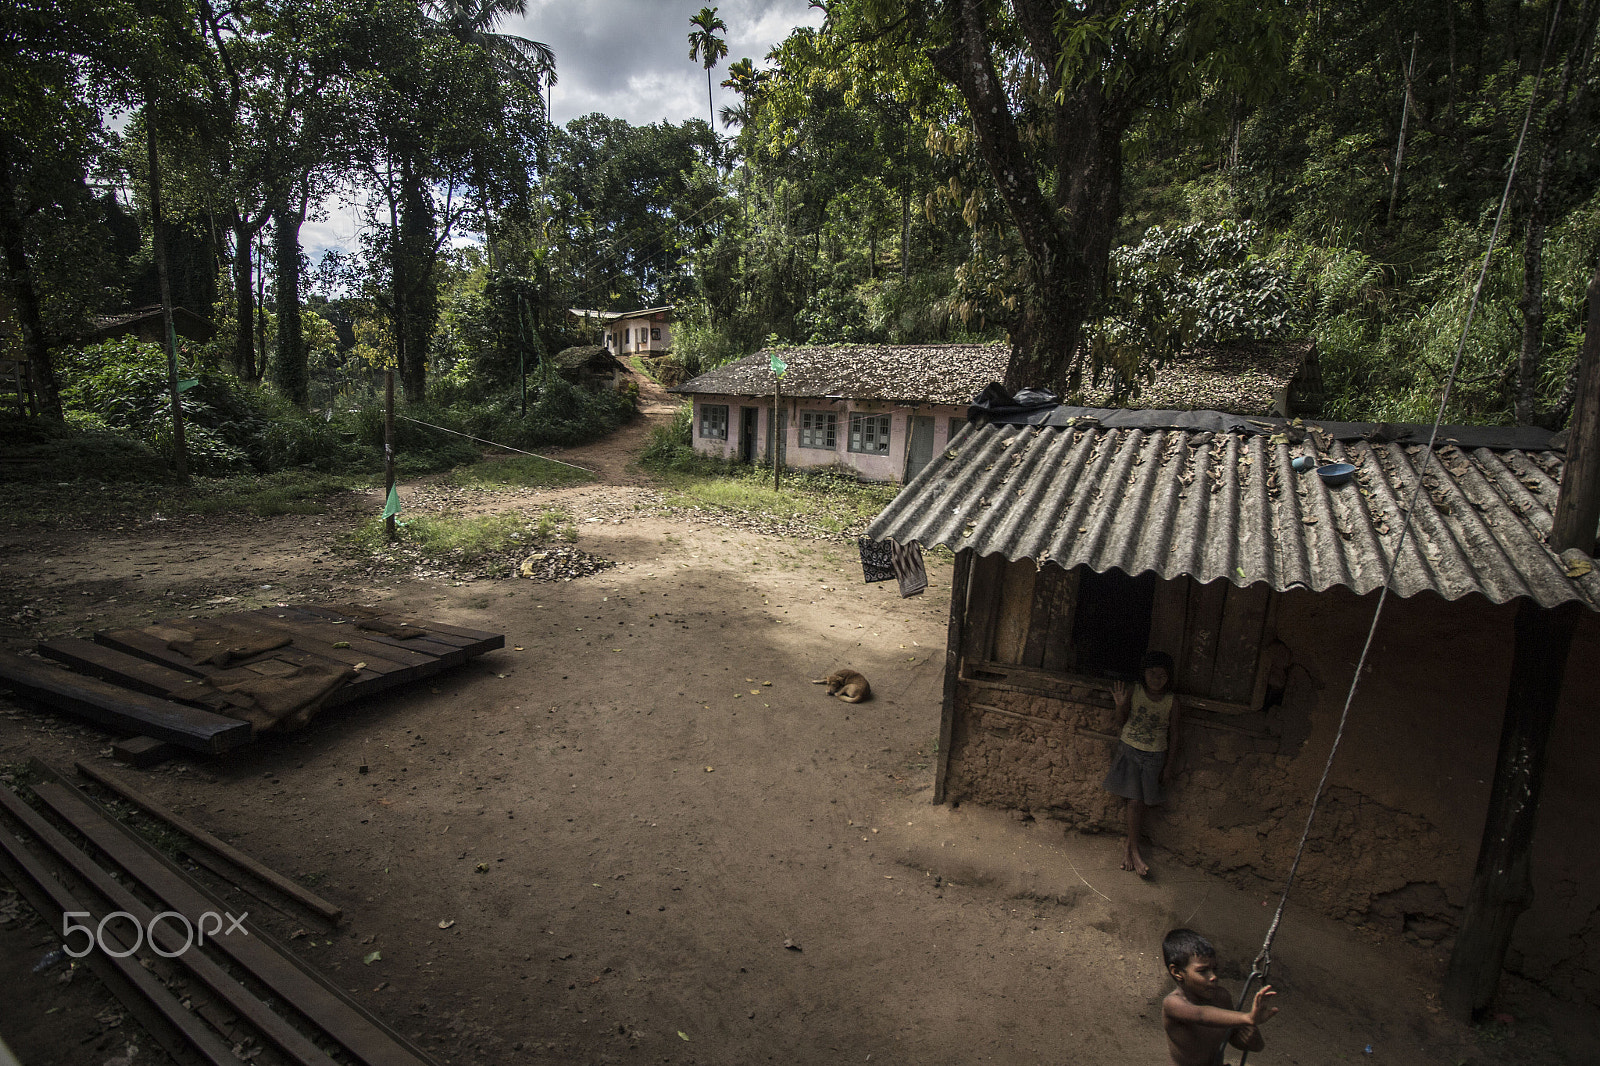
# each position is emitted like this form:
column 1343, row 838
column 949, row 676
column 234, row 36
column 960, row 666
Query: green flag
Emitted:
column 392, row 506
column 778, row 365
column 187, row 383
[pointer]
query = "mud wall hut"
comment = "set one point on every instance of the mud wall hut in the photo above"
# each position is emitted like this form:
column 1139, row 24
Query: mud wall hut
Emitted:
column 1083, row 541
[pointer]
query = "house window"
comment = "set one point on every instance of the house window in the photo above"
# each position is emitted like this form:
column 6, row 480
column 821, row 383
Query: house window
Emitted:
column 655, row 333
column 819, row 429
column 869, row 434
column 714, row 421
column 956, row 426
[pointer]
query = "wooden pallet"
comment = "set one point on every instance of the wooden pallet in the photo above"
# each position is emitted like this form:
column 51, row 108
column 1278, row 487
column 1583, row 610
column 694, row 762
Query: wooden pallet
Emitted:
column 133, row 680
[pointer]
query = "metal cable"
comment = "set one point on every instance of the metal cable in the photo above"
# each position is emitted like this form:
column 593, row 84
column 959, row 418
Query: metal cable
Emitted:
column 494, row 444
column 1261, row 967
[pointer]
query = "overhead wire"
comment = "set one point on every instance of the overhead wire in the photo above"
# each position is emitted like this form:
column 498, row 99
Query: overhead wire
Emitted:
column 1261, row 967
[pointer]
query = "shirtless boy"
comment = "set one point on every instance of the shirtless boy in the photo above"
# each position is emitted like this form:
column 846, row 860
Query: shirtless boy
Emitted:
column 1198, row 1015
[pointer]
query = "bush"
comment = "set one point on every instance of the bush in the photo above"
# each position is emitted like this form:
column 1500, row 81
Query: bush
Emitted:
column 42, row 449
column 559, row 413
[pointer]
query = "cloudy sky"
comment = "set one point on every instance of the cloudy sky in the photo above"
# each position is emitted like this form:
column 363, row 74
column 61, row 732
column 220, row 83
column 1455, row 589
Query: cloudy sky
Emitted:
column 625, row 58
column 630, row 58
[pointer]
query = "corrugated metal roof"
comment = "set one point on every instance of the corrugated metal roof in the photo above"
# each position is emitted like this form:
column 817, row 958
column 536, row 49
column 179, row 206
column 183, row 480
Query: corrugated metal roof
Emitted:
column 1228, row 505
column 905, row 373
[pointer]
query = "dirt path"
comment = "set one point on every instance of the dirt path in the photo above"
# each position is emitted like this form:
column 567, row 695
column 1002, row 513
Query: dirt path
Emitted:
column 613, row 459
column 631, row 810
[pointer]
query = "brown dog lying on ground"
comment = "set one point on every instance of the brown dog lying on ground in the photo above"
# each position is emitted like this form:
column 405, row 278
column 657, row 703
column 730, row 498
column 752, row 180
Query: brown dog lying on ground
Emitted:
column 847, row 685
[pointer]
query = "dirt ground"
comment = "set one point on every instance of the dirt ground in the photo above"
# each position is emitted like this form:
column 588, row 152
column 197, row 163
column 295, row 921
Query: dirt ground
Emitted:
column 630, row 811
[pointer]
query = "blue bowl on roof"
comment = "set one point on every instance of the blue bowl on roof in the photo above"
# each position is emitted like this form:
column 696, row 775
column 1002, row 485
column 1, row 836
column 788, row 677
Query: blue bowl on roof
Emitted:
column 1335, row 473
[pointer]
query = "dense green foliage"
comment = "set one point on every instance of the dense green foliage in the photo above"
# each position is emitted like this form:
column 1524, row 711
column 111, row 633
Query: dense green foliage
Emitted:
column 1253, row 172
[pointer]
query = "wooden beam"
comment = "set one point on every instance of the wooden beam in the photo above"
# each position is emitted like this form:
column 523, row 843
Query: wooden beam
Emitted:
column 1244, row 615
column 1202, row 625
column 983, row 601
column 954, row 637
column 130, row 671
column 1502, row 881
column 275, row 1028
column 123, row 709
column 1059, row 654
column 314, row 996
column 299, row 894
column 1050, row 600
column 1167, row 615
column 136, row 988
column 1016, row 608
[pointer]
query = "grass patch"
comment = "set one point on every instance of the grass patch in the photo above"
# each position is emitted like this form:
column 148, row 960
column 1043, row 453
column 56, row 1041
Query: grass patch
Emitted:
column 290, row 492
column 829, row 501
column 466, row 539
column 832, row 500
column 517, row 472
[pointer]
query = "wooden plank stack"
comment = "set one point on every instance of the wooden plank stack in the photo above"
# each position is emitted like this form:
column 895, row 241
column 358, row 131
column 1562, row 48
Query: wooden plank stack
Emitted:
column 211, row 684
column 203, row 998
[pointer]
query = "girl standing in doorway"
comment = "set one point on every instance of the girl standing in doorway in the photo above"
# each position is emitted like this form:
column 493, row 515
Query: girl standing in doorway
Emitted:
column 1148, row 745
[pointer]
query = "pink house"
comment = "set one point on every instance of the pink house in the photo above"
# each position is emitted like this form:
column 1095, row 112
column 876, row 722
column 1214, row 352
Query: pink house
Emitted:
column 885, row 410
column 882, row 411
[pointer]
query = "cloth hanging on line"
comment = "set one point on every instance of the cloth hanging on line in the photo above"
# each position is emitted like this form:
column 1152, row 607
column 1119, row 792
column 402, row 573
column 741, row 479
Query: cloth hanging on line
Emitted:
column 885, row 560
column 908, row 568
column 877, row 562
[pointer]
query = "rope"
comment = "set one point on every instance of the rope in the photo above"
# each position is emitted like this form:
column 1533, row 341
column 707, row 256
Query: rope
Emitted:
column 493, row 444
column 1261, row 967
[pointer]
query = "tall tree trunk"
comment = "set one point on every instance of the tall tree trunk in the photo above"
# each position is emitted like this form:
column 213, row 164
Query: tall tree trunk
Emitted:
column 1067, row 238
column 289, row 371
column 261, row 308
column 905, row 228
column 244, row 297
column 24, row 295
column 416, row 296
column 158, row 245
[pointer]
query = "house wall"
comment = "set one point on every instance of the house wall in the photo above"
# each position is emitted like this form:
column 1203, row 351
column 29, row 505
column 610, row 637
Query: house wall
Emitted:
column 870, row 467
column 1397, row 833
column 623, row 335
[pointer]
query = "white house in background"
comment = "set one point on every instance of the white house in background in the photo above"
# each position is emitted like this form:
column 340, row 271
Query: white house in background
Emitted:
column 644, row 332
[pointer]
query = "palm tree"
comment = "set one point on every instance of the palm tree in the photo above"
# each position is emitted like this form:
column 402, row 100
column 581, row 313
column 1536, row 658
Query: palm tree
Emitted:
column 516, row 59
column 744, row 79
column 706, row 46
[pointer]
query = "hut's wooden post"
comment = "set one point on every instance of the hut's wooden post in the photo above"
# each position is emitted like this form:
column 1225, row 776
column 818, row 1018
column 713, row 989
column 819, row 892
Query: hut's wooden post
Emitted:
column 1502, row 882
column 952, row 670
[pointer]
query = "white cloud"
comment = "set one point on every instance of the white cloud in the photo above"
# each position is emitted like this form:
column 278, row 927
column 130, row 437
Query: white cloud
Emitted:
column 624, row 58
column 630, row 58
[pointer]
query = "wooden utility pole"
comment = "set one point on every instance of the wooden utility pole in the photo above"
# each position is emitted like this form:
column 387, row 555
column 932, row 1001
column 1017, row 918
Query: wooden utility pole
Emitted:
column 388, row 452
column 779, row 431
column 158, row 244
column 1502, row 882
